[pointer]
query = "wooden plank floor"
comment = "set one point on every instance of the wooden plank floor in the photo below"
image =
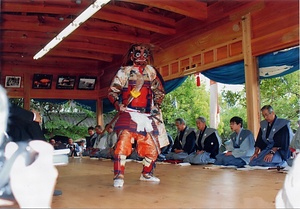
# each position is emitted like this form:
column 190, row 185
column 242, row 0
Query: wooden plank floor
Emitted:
column 87, row 183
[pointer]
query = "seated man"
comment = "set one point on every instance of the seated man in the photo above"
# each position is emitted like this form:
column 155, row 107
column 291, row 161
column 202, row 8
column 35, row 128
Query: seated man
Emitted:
column 111, row 140
column 240, row 147
column 74, row 148
column 100, row 141
column 90, row 140
column 52, row 142
column 273, row 140
column 184, row 143
column 82, row 148
column 207, row 144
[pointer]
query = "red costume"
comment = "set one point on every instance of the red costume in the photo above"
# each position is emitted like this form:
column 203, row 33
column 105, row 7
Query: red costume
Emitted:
column 137, row 93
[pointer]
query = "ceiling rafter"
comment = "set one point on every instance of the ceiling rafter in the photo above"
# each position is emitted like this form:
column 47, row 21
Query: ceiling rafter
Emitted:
column 102, row 14
column 36, row 38
column 150, row 17
column 126, row 20
column 40, row 7
column 192, row 8
column 81, row 54
column 56, row 61
column 72, row 44
column 89, row 32
column 64, row 51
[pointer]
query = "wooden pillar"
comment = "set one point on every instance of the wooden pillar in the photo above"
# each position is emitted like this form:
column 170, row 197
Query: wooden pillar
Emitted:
column 251, row 78
column 214, row 113
column 99, row 111
column 27, row 90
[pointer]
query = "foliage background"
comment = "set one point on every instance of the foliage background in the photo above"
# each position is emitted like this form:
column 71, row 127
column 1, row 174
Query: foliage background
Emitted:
column 282, row 93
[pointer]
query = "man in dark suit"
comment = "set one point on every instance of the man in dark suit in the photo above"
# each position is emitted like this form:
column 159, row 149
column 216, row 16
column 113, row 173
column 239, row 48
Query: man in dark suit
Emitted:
column 23, row 125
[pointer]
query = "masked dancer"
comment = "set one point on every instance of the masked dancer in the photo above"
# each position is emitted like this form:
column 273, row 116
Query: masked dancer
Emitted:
column 137, row 92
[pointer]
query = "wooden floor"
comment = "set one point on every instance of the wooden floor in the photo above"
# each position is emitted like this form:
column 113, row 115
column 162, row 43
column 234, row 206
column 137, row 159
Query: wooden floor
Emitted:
column 87, row 183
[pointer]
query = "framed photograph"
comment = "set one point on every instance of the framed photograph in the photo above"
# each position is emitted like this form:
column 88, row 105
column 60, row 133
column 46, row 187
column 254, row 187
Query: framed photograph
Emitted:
column 65, row 82
column 13, row 81
column 87, row 83
column 42, row 81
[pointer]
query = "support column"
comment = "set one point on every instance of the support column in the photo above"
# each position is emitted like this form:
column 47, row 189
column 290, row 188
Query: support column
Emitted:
column 27, row 90
column 214, row 113
column 251, row 78
column 99, row 112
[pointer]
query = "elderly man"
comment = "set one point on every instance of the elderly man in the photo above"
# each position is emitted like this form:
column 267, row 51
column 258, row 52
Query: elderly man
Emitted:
column 208, row 143
column 273, row 140
column 184, row 143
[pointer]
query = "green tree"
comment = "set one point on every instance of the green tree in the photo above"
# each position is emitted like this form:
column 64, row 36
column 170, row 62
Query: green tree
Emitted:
column 283, row 94
column 188, row 102
column 57, row 125
column 232, row 104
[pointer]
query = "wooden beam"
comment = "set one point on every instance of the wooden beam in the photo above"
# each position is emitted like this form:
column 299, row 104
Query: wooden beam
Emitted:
column 282, row 39
column 126, row 20
column 62, row 94
column 99, row 113
column 80, row 54
column 192, row 8
column 52, row 62
column 275, row 27
column 197, row 43
column 251, row 78
column 77, row 42
column 89, row 32
column 142, row 15
column 40, row 7
column 112, row 35
column 61, row 51
column 27, row 90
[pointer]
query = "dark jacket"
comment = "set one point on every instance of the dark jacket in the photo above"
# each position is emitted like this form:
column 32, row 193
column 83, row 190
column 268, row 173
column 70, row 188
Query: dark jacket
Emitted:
column 21, row 126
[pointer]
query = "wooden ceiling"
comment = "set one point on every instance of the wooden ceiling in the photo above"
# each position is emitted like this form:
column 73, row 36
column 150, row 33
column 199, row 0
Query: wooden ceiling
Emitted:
column 99, row 44
column 28, row 25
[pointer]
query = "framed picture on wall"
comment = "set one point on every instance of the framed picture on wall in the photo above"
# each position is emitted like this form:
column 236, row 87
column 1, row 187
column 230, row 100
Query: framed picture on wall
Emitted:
column 13, row 81
column 65, row 82
column 87, row 83
column 42, row 81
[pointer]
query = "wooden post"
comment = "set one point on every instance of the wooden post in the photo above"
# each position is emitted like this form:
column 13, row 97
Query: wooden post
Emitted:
column 27, row 90
column 99, row 112
column 251, row 78
column 214, row 114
